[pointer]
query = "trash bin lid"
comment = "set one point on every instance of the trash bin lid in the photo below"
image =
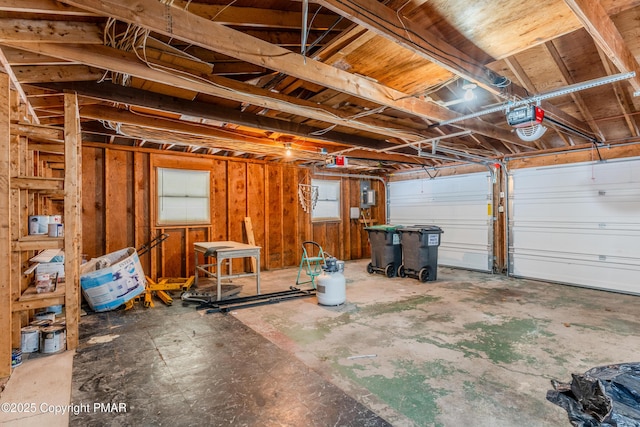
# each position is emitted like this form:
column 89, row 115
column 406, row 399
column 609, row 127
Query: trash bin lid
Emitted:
column 383, row 227
column 422, row 229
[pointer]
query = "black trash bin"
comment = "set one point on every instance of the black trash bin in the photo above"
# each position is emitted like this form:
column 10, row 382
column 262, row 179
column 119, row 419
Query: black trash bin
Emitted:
column 420, row 252
column 386, row 251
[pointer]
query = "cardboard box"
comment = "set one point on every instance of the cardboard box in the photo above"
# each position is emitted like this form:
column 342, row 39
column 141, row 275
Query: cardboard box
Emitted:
column 51, row 268
column 109, row 281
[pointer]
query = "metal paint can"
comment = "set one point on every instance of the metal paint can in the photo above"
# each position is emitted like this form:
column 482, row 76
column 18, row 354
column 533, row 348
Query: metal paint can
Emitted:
column 30, row 339
column 52, row 339
column 45, row 315
column 56, row 230
column 56, row 309
column 16, row 357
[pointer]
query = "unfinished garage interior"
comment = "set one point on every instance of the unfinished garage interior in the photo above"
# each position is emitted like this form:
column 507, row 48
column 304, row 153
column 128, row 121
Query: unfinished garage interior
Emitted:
column 169, row 131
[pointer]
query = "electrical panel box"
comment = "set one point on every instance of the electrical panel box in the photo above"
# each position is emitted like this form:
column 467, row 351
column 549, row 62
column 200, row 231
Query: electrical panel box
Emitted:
column 367, row 195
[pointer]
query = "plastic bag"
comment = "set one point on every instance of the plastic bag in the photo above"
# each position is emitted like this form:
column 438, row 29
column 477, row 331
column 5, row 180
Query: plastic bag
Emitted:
column 605, row 396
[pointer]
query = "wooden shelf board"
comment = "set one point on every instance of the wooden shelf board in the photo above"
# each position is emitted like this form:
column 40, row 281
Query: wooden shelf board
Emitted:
column 37, row 242
column 30, row 299
column 35, row 183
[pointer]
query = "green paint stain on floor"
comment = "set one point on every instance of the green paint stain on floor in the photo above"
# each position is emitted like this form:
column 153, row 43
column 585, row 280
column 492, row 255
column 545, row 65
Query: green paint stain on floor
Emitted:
column 498, row 341
column 408, row 391
column 621, row 326
column 407, row 304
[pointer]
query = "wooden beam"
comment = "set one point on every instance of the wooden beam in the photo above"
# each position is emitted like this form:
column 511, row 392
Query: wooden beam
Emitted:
column 568, row 80
column 624, row 99
column 387, row 23
column 56, row 73
column 5, row 222
column 384, row 21
column 53, row 31
column 137, row 97
column 127, row 63
column 72, row 216
column 21, row 57
column 50, row 7
column 257, row 17
column 211, row 35
column 597, row 22
column 48, row 134
column 37, row 183
column 167, row 125
column 18, row 88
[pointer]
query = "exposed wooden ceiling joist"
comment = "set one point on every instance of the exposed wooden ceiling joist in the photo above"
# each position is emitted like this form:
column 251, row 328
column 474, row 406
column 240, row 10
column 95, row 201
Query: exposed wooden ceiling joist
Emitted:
column 51, row 7
column 211, row 35
column 597, row 22
column 136, row 97
column 128, row 63
column 430, row 45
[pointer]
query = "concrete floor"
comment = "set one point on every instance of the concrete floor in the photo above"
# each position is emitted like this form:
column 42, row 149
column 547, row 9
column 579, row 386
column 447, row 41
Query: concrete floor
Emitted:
column 468, row 349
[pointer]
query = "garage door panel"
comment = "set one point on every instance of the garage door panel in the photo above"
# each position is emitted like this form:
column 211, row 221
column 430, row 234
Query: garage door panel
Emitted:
column 456, row 204
column 573, row 270
column 577, row 224
column 579, row 241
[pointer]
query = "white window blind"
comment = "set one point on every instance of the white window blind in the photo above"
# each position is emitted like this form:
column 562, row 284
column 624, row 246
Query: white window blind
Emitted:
column 328, row 206
column 183, row 196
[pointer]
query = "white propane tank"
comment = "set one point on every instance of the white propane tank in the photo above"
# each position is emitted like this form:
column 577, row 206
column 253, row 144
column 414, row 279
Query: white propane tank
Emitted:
column 331, row 288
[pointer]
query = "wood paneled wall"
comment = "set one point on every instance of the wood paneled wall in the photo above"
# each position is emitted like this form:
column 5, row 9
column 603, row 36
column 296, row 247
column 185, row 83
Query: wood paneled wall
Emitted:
column 119, row 209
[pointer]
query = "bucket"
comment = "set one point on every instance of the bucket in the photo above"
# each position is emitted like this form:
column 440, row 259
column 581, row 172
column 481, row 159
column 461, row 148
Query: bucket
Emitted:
column 30, row 339
column 16, row 357
column 52, row 339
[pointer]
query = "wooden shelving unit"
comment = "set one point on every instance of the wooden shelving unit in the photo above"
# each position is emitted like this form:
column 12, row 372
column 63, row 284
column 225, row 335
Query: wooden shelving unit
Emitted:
column 26, row 189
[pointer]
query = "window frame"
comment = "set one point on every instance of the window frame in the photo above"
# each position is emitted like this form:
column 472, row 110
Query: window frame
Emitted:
column 329, row 200
column 163, row 222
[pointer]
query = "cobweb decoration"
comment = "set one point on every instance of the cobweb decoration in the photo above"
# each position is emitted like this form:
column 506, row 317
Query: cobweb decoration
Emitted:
column 307, row 196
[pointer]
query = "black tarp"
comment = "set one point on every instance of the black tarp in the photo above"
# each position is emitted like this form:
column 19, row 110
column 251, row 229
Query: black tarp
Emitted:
column 605, row 396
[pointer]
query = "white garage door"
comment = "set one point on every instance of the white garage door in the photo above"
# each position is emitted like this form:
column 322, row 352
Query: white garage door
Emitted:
column 577, row 224
column 458, row 205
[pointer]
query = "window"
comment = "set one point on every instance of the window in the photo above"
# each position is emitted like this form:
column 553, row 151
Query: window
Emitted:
column 183, row 196
column 328, row 206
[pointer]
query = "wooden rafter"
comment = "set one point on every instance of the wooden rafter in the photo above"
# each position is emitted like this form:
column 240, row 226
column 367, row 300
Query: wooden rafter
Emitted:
column 127, row 63
column 141, row 98
column 429, row 45
column 526, row 83
column 624, row 100
column 568, row 80
column 211, row 35
column 597, row 22
column 256, row 17
column 53, row 31
column 50, row 7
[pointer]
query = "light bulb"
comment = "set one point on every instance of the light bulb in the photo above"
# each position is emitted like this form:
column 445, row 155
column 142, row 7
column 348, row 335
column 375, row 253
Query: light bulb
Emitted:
column 469, row 95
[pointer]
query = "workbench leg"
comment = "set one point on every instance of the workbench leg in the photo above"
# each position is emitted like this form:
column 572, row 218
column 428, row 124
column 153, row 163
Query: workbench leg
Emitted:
column 218, row 265
column 258, row 273
column 195, row 280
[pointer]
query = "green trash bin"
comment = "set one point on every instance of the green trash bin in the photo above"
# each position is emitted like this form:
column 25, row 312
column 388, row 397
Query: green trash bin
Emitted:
column 420, row 252
column 386, row 251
